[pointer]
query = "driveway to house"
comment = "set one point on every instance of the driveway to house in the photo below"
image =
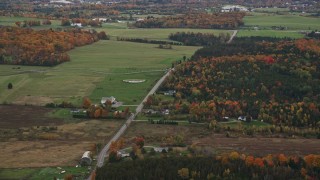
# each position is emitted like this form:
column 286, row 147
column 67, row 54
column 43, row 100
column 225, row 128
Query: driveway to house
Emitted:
column 103, row 153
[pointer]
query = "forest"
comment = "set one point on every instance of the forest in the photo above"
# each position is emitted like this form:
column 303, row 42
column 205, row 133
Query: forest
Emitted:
column 194, row 20
column 227, row 166
column 277, row 83
column 199, row 39
column 25, row 46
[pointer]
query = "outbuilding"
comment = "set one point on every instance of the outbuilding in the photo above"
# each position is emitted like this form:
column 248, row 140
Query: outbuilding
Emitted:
column 86, row 158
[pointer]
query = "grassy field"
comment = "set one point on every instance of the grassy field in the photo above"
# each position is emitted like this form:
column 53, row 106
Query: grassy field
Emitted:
column 292, row 22
column 121, row 30
column 104, row 65
column 272, row 10
column 270, row 33
column 10, row 21
column 41, row 173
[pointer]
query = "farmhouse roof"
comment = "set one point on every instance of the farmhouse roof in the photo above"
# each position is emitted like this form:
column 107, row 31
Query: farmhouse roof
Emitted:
column 105, row 99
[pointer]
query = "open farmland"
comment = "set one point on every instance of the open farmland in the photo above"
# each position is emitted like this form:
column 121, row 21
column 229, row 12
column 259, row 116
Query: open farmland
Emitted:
column 121, row 30
column 292, row 22
column 295, row 24
column 37, row 134
column 10, row 21
column 90, row 66
column 270, row 33
column 200, row 136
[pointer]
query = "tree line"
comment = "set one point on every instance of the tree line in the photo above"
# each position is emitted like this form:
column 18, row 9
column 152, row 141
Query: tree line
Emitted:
column 226, row 166
column 199, row 39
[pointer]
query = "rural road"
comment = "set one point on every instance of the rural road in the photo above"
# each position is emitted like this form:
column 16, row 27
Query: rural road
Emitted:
column 233, row 35
column 103, row 153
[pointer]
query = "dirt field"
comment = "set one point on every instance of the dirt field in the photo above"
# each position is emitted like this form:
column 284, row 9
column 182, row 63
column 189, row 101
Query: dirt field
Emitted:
column 13, row 116
column 37, row 147
column 202, row 137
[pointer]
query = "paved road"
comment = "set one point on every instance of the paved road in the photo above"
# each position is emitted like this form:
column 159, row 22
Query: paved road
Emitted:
column 103, row 153
column 233, row 35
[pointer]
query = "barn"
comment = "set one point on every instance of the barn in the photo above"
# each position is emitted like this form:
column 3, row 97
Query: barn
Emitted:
column 86, row 158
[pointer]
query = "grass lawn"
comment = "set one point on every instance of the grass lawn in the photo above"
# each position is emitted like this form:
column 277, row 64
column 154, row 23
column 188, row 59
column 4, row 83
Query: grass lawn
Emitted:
column 292, row 22
column 103, row 65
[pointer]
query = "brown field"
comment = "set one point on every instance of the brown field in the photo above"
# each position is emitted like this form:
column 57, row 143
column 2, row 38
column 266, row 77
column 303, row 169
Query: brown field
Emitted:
column 201, row 137
column 31, row 146
column 12, row 116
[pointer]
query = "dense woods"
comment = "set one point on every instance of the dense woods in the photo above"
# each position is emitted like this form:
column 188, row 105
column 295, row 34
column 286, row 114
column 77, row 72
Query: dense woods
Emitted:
column 194, row 20
column 199, row 39
column 145, row 40
column 226, row 166
column 278, row 83
column 26, row 46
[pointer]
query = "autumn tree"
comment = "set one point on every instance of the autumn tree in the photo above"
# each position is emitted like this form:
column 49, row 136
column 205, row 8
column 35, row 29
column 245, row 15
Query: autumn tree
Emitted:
column 183, row 173
column 86, row 103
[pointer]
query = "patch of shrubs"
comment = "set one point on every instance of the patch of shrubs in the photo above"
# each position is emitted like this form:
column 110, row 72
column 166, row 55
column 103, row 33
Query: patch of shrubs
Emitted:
column 168, row 122
column 61, row 105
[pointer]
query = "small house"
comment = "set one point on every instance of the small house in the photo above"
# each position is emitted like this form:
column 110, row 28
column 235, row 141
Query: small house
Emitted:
column 242, row 118
column 170, row 93
column 86, row 158
column 123, row 154
column 160, row 149
column 165, row 112
column 76, row 25
column 105, row 99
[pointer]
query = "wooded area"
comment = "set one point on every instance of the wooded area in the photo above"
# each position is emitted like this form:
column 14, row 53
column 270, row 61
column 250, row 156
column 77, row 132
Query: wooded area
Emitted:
column 25, row 46
column 194, row 20
column 226, row 166
column 276, row 82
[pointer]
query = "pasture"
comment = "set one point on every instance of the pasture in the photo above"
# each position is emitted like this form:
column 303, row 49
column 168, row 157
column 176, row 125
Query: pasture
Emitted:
column 271, row 10
column 121, row 30
column 291, row 21
column 42, row 173
column 270, row 33
column 10, row 21
column 103, row 64
column 210, row 142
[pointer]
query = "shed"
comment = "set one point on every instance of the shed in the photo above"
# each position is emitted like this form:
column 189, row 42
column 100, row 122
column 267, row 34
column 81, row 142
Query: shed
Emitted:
column 86, row 158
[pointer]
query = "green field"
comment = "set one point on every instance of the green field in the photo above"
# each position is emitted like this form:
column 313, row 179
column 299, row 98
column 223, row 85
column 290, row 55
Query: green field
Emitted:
column 10, row 21
column 95, row 70
column 292, row 22
column 41, row 173
column 271, row 10
column 121, row 30
column 270, row 33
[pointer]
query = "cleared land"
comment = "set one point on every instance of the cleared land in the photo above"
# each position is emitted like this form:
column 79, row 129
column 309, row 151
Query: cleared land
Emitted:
column 270, row 33
column 10, row 21
column 294, row 24
column 26, row 139
column 121, row 30
column 200, row 136
column 96, row 65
